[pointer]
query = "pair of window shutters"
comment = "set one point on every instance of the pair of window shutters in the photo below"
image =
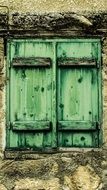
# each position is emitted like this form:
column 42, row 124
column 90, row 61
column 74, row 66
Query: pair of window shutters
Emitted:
column 54, row 97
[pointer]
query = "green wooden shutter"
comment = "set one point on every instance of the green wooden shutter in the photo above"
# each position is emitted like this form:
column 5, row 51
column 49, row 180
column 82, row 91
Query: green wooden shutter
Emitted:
column 30, row 107
column 54, row 93
column 78, row 94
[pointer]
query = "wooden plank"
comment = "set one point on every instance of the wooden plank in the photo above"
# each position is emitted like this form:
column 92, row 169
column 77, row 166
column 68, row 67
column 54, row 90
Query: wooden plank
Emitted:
column 76, row 62
column 85, row 97
column 76, row 49
column 54, row 98
column 21, row 139
column 47, row 139
column 75, row 99
column 31, row 125
column 31, row 61
column 95, row 138
column 13, row 139
column 34, row 140
column 94, row 95
column 100, row 95
column 76, row 125
column 65, row 139
column 82, row 140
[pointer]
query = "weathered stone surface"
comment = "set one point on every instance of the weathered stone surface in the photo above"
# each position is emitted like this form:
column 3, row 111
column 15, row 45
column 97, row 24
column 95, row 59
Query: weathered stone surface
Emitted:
column 38, row 168
column 2, row 94
column 84, row 178
column 55, row 164
column 55, row 21
column 55, row 6
column 2, row 187
column 89, row 22
column 58, row 21
column 2, row 115
column 104, row 80
column 33, row 184
column 1, row 55
column 1, row 99
column 49, row 21
column 2, row 81
column 71, row 171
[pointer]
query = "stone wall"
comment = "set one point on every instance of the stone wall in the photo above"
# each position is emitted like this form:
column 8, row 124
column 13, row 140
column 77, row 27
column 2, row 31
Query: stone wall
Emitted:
column 80, row 169
column 54, row 6
column 2, row 96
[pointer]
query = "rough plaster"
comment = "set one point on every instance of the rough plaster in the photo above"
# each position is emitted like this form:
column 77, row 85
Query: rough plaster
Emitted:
column 54, row 6
column 2, row 96
column 104, row 90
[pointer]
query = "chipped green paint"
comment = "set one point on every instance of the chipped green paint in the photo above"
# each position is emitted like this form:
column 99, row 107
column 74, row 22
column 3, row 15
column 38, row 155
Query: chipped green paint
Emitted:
column 54, row 93
column 78, row 93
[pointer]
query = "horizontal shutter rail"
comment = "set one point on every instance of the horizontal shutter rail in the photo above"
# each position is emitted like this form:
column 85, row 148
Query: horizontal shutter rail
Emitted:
column 31, row 62
column 31, row 126
column 77, row 125
column 76, row 62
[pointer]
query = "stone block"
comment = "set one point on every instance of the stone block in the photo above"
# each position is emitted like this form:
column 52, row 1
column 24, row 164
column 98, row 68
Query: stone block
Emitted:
column 84, row 178
column 33, row 184
column 2, row 187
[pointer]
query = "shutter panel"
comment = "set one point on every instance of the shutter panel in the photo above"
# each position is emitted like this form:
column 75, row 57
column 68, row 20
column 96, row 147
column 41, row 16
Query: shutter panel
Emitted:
column 31, row 94
column 77, row 94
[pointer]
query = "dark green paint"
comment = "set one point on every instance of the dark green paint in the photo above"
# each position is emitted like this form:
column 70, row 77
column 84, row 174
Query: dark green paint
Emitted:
column 54, row 93
column 31, row 126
